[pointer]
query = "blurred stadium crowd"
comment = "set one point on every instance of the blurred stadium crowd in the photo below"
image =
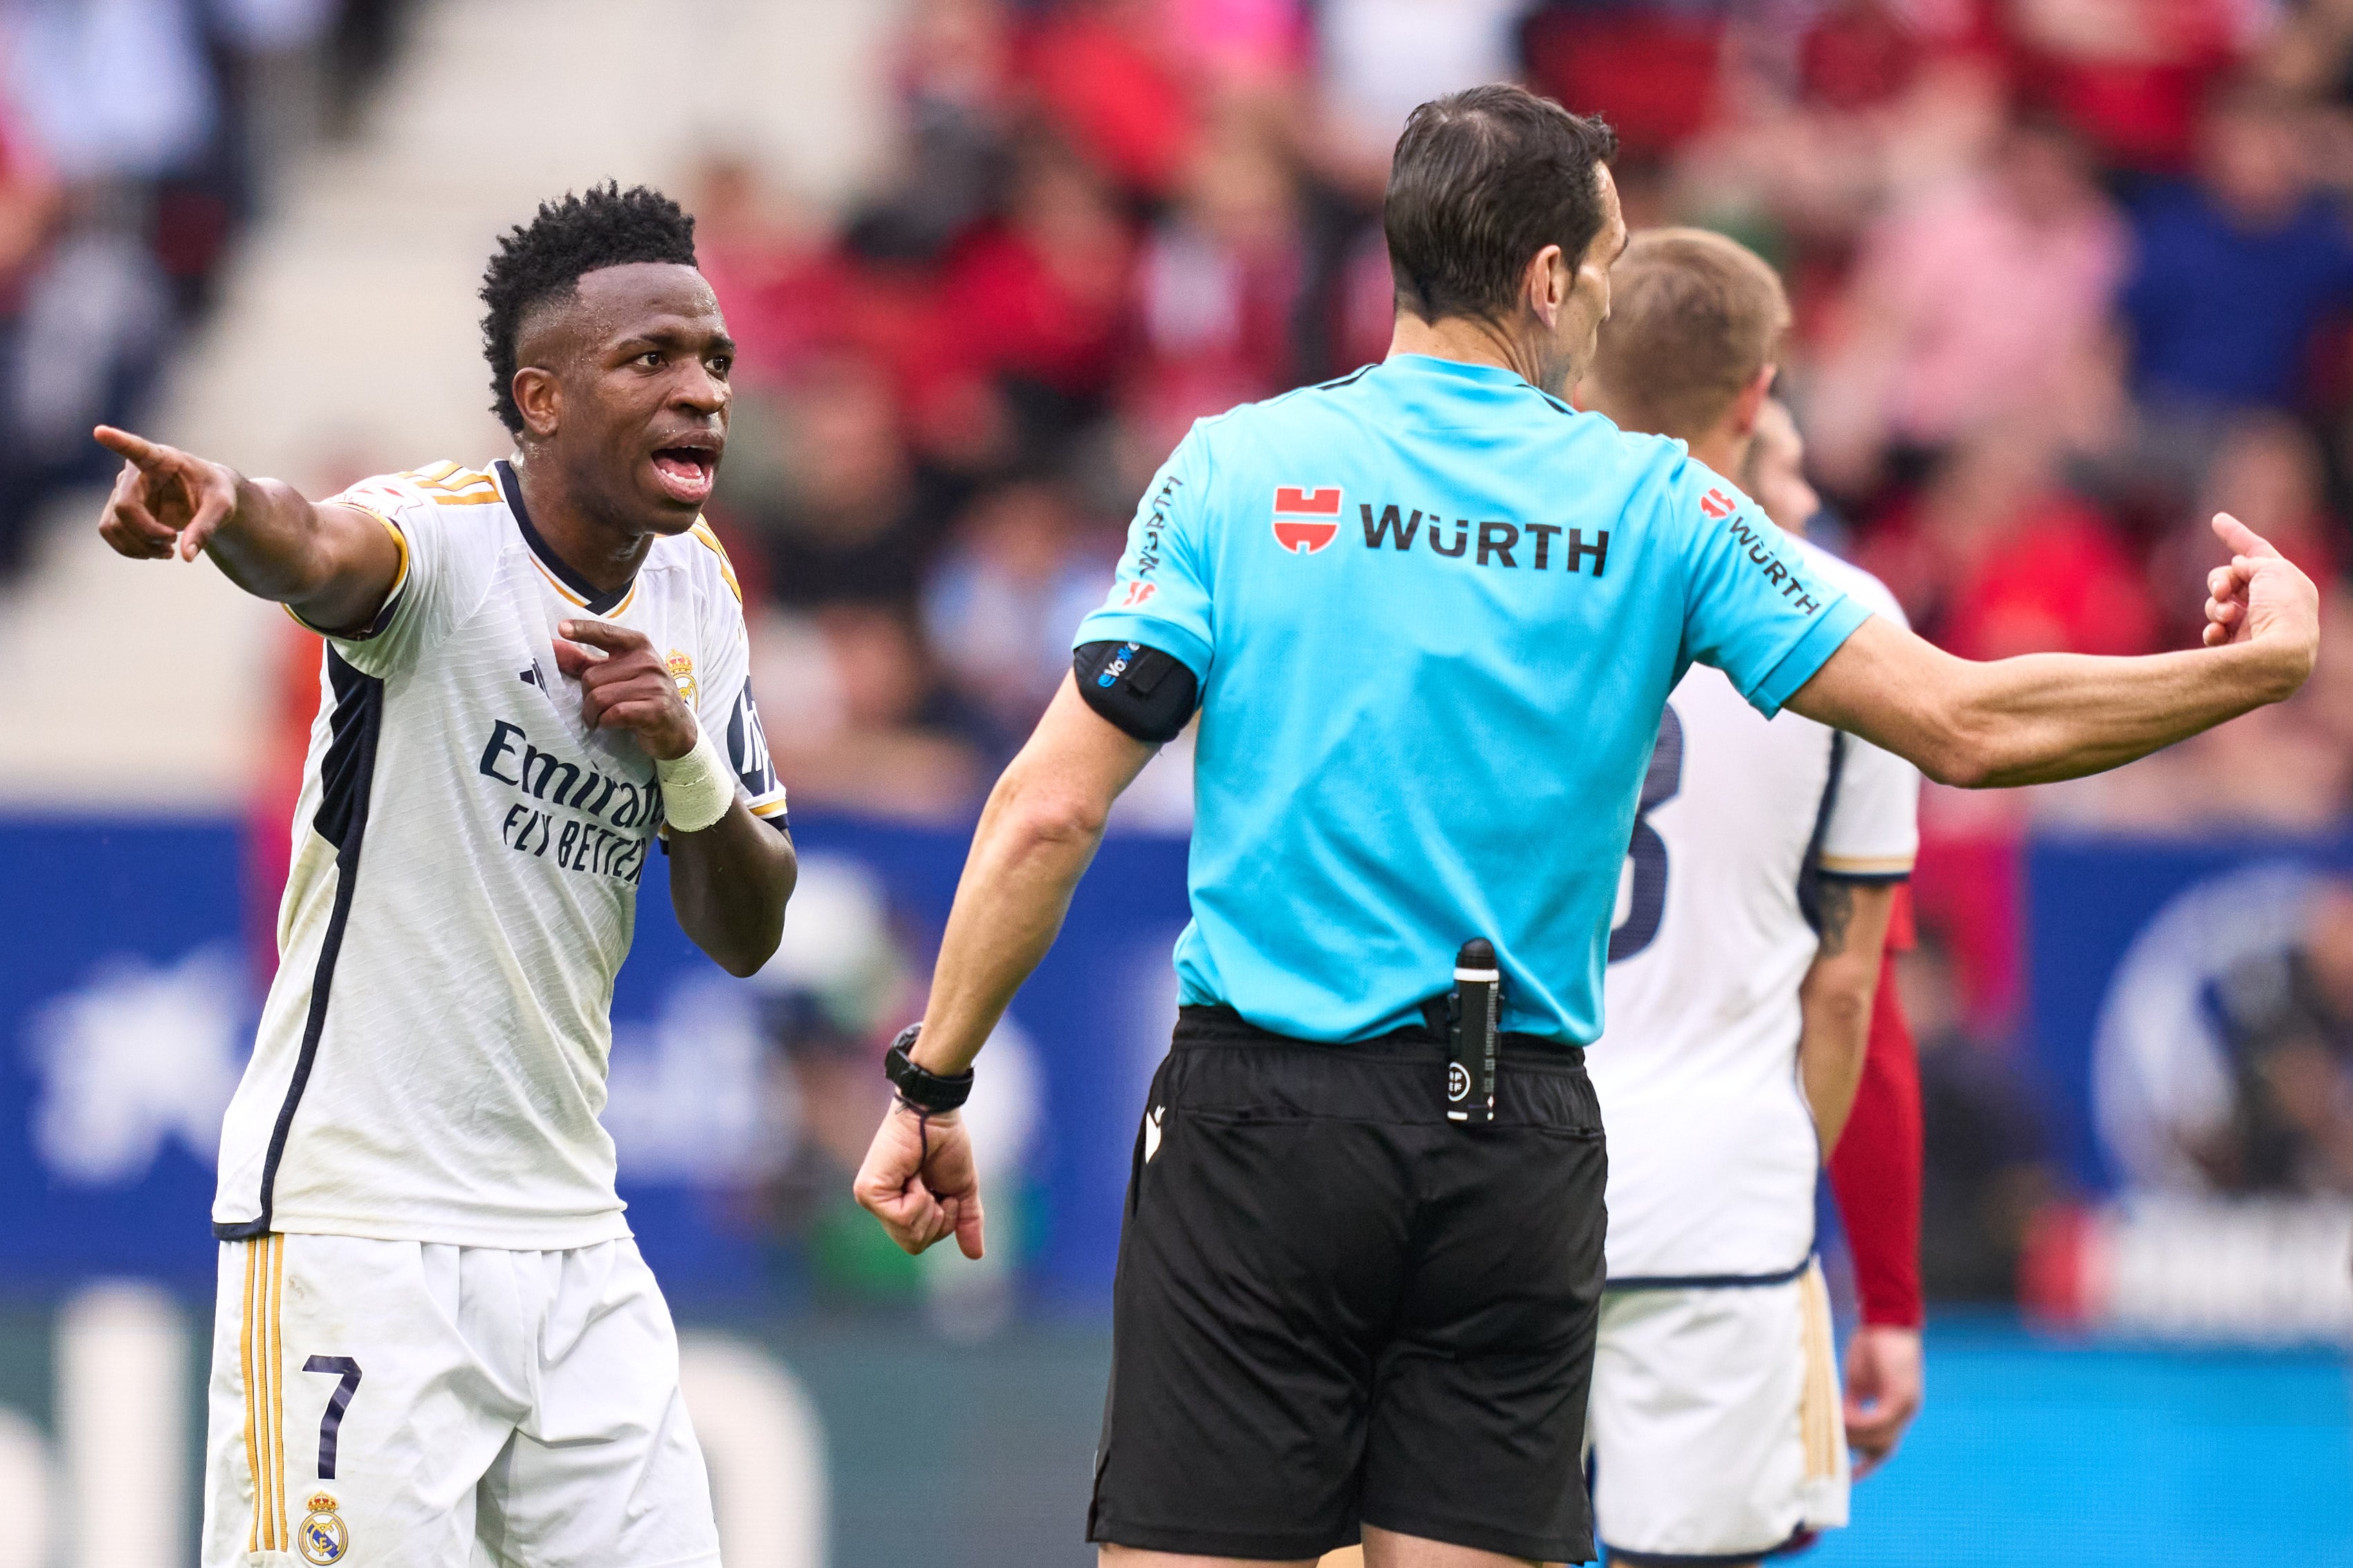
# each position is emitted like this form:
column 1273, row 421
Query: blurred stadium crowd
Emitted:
column 136, row 138
column 2069, row 276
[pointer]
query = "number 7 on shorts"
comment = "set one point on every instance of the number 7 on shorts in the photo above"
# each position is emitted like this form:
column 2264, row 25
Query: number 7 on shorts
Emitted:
column 337, row 1403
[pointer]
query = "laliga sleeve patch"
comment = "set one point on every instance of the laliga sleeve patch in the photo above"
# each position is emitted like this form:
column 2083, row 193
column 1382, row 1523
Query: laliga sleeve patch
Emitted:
column 1142, row 691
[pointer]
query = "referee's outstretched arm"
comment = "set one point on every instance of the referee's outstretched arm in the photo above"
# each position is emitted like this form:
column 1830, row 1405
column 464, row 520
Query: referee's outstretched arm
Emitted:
column 1036, row 837
column 2048, row 716
column 2030, row 720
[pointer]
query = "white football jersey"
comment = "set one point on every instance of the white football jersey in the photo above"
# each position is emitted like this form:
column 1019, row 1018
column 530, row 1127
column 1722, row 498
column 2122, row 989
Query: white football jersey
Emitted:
column 431, row 1059
column 1712, row 1147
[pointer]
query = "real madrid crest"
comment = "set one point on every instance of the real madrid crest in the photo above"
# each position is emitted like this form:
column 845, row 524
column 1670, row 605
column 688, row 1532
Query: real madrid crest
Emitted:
column 681, row 670
column 322, row 1538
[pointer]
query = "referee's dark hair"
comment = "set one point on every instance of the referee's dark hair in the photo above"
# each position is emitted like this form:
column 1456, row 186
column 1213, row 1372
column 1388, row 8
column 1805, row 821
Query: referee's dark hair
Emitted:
column 1482, row 181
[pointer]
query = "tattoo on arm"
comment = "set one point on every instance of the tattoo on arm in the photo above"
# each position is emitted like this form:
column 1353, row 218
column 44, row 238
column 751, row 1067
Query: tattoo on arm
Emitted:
column 1835, row 905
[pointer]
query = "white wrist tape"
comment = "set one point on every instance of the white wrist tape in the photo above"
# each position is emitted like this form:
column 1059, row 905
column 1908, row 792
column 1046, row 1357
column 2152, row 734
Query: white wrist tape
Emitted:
column 697, row 788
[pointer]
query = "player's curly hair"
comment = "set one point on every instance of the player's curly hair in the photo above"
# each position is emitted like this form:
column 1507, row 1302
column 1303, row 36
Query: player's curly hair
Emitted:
column 608, row 227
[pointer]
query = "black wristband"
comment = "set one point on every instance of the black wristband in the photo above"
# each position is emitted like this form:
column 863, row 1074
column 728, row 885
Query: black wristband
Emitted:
column 926, row 1091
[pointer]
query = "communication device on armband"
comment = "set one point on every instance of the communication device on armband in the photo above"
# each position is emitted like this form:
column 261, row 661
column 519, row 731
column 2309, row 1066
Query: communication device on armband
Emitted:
column 1474, row 1034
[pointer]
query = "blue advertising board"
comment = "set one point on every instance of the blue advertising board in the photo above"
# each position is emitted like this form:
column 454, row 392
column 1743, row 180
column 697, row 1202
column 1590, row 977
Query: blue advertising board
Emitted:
column 2125, row 937
column 133, row 982
column 125, row 1003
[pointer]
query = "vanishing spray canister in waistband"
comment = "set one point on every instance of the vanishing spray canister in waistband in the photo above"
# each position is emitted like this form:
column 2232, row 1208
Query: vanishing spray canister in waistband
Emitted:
column 1474, row 1033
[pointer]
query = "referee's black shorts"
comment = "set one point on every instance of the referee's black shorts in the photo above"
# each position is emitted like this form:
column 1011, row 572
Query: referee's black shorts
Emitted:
column 1335, row 1307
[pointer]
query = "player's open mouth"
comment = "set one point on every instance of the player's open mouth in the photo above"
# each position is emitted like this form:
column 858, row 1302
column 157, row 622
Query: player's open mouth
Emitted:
column 686, row 472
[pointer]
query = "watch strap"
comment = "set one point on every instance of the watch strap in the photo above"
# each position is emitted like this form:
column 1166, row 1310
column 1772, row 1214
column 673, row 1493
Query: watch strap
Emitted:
column 926, row 1091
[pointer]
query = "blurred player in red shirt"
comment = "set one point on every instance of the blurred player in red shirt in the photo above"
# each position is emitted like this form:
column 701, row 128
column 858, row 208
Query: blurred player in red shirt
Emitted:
column 1875, row 1172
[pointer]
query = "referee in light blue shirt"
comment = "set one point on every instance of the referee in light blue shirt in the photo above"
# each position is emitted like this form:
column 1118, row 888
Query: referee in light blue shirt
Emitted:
column 1430, row 616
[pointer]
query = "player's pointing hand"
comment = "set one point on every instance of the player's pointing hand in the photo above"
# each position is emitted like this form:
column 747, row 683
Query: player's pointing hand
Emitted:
column 166, row 501
column 624, row 686
column 2261, row 597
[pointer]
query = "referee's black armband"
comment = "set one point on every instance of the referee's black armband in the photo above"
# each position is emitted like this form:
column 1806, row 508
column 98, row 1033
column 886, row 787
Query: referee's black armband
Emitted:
column 1147, row 693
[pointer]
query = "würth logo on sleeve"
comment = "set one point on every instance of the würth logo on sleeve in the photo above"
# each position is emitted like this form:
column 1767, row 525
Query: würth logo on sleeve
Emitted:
column 1717, row 504
column 1306, row 520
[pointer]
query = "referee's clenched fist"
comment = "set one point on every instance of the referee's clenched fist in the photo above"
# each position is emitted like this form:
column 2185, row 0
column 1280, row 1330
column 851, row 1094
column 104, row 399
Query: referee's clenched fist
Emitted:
column 1428, row 615
column 919, row 1179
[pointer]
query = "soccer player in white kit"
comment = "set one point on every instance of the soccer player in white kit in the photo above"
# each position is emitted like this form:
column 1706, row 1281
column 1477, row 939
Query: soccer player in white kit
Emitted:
column 1742, row 968
column 435, row 1341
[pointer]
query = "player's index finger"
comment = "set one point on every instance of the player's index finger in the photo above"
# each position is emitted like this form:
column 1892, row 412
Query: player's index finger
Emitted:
column 138, row 449
column 605, row 637
column 602, row 635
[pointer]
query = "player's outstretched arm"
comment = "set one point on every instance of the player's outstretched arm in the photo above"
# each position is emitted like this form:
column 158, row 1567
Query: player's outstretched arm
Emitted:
column 2042, row 717
column 1037, row 836
column 332, row 565
column 730, row 875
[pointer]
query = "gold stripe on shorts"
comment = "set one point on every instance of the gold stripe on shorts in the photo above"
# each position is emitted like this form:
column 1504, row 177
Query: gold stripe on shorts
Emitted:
column 1817, row 1404
column 252, row 1402
column 261, row 1350
column 277, row 1387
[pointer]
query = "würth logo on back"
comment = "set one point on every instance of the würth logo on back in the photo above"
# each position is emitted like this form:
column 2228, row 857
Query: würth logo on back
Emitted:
column 1306, row 520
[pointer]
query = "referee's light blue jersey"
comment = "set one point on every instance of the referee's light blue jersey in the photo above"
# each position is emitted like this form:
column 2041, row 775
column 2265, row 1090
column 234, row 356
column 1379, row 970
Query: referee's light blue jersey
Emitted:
column 1436, row 614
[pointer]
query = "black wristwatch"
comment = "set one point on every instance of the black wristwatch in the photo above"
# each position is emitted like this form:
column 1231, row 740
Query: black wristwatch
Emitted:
column 927, row 1091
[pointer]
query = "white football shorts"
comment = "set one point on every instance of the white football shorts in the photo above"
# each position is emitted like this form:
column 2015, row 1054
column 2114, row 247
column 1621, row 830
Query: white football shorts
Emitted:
column 441, row 1406
column 1716, row 1433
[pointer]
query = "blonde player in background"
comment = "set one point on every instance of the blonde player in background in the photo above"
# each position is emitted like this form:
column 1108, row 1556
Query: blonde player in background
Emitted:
column 1742, row 973
column 435, row 1343
column 1875, row 1166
